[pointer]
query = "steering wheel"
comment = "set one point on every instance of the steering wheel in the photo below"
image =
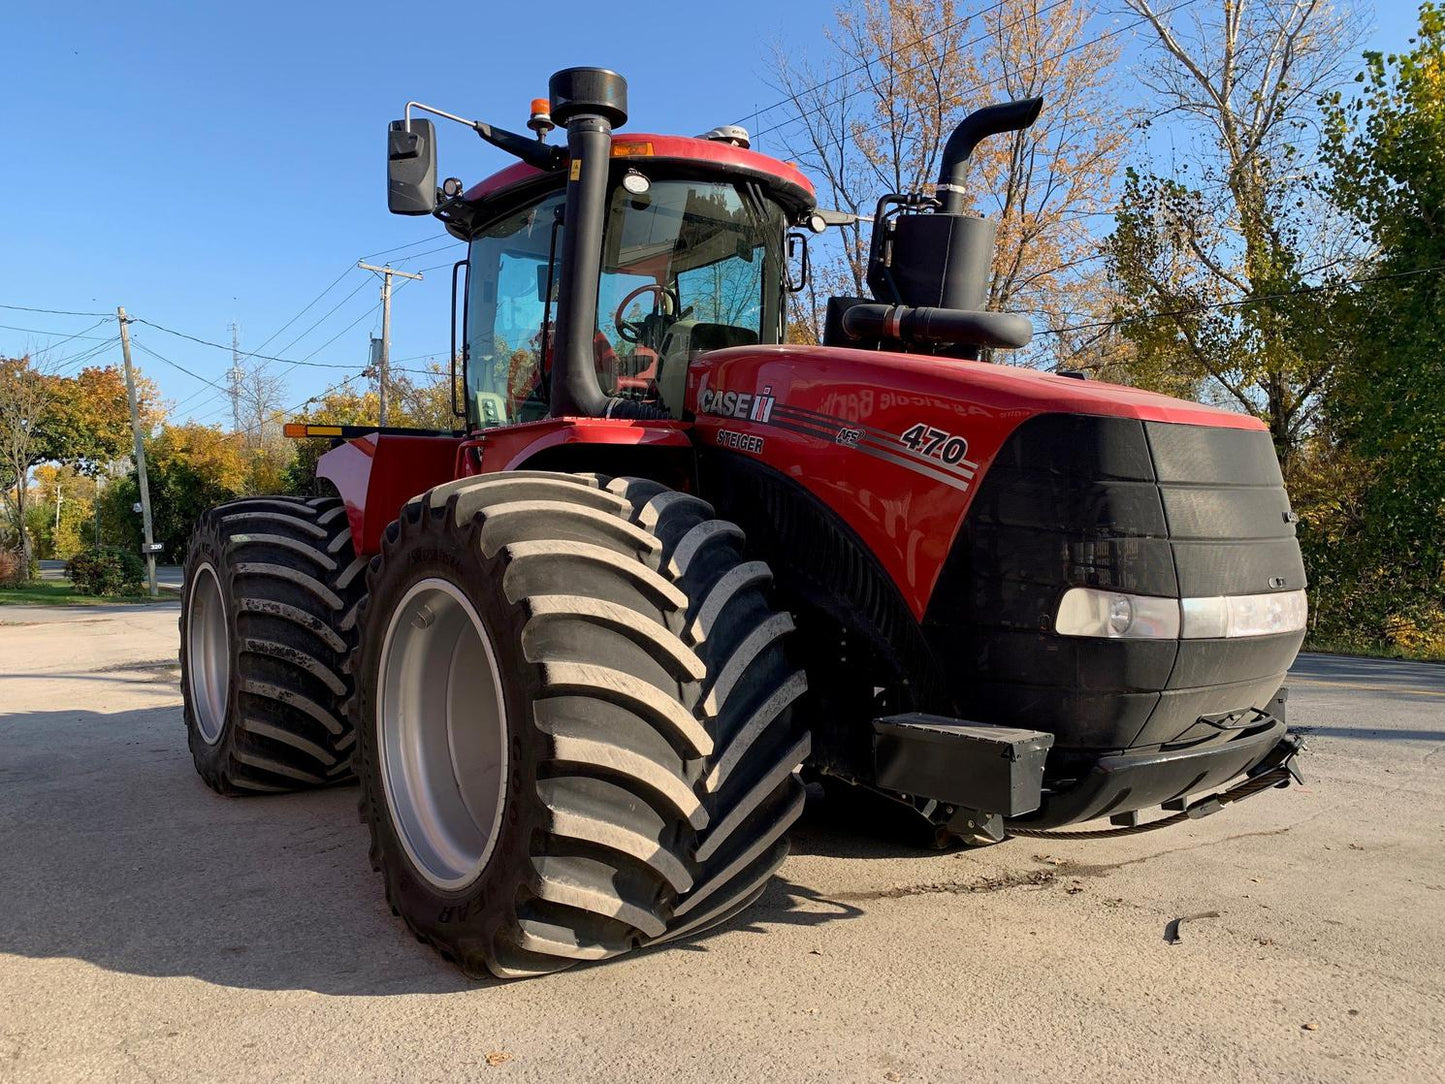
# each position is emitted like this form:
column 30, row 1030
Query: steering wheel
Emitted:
column 633, row 331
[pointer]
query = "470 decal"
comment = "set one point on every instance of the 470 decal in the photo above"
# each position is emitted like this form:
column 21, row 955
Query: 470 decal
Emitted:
column 935, row 442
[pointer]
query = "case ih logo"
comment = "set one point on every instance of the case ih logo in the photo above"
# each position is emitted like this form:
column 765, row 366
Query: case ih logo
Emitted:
column 738, row 404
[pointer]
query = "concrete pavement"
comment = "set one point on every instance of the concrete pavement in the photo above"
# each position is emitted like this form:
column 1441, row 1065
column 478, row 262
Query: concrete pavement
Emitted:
column 151, row 930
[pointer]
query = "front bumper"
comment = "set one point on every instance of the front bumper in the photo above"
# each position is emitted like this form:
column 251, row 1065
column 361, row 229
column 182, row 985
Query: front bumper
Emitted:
column 1126, row 782
column 982, row 781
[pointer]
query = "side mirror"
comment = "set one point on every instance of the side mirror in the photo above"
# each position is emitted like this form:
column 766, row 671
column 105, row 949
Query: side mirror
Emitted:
column 797, row 262
column 411, row 168
column 548, row 283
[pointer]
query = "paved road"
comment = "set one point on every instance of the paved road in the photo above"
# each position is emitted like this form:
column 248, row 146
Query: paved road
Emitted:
column 168, row 577
column 150, row 930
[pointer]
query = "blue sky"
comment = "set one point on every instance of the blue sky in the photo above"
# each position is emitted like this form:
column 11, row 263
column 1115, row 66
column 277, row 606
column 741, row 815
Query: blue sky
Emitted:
column 202, row 163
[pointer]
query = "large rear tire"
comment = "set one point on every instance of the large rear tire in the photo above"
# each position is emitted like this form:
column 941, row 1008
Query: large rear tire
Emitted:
column 575, row 726
column 267, row 627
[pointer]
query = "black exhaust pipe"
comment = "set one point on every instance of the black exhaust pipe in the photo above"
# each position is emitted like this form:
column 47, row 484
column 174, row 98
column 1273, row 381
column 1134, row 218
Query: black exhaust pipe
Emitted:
column 974, row 128
column 590, row 102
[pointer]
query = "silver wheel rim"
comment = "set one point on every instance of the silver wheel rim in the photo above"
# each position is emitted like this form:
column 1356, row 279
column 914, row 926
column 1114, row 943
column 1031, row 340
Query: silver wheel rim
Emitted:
column 208, row 653
column 441, row 735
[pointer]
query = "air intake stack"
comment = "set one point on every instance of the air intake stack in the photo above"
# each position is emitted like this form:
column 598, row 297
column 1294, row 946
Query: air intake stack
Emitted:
column 929, row 262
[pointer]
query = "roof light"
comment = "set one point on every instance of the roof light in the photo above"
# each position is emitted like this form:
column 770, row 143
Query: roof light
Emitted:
column 541, row 118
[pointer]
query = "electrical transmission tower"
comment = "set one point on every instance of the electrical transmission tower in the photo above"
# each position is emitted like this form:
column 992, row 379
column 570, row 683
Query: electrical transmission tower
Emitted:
column 237, row 375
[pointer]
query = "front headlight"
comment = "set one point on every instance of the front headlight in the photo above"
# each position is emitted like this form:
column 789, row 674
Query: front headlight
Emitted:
column 1086, row 611
column 1243, row 615
column 1089, row 611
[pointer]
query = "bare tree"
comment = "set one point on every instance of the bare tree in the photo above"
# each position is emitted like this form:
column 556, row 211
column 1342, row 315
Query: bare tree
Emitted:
column 1236, row 218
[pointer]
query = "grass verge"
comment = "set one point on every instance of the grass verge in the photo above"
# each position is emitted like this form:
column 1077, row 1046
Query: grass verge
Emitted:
column 61, row 593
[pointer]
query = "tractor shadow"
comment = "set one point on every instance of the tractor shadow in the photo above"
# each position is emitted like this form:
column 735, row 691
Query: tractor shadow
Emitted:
column 856, row 824
column 115, row 853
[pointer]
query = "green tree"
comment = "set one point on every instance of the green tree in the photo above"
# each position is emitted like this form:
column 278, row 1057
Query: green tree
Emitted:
column 25, row 395
column 189, row 467
column 1211, row 254
column 1387, row 402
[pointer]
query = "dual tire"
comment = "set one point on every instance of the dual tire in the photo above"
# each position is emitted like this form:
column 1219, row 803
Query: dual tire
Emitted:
column 267, row 629
column 603, row 648
column 573, row 718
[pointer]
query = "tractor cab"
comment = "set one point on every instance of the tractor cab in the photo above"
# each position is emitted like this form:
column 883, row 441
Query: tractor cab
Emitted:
column 597, row 271
column 688, row 263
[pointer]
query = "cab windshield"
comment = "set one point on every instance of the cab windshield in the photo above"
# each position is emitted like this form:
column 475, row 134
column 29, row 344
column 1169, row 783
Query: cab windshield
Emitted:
column 687, row 266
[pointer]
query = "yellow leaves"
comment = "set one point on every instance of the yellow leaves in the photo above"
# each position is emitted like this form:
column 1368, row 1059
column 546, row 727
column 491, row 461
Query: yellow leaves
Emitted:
column 211, row 453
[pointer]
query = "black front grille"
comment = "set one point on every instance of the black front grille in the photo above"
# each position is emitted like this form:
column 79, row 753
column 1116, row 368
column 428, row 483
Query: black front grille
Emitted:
column 1143, row 507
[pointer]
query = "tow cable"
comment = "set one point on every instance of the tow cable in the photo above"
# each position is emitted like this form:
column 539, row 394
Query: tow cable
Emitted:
column 1282, row 774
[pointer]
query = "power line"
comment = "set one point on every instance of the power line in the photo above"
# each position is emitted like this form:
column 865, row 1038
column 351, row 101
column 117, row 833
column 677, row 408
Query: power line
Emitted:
column 410, row 244
column 307, row 309
column 47, row 332
column 1193, row 310
column 71, row 365
column 176, row 365
column 874, row 60
column 250, row 354
column 989, row 82
column 305, row 361
column 429, row 252
column 330, row 312
column 56, row 312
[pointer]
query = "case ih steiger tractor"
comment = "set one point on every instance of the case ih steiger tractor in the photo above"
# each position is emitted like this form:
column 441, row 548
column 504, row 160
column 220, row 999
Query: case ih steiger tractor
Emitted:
column 583, row 653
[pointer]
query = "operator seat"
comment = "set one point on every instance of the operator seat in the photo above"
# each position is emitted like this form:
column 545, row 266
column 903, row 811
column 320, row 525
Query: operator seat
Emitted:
column 685, row 340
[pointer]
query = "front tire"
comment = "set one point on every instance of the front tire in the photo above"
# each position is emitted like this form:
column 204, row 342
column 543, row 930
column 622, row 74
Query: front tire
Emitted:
column 575, row 727
column 267, row 626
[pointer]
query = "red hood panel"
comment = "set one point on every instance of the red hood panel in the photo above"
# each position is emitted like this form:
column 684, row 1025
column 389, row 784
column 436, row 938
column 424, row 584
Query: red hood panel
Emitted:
column 896, row 444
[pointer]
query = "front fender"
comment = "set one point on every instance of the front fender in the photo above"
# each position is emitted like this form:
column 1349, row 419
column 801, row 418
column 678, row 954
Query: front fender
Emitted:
column 378, row 473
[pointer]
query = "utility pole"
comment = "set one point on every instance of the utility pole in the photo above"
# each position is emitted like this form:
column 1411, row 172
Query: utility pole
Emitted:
column 140, row 452
column 236, row 376
column 59, row 499
column 381, row 369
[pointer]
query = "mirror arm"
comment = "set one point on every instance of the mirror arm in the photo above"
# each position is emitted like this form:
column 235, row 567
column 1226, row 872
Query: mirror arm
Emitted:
column 532, row 151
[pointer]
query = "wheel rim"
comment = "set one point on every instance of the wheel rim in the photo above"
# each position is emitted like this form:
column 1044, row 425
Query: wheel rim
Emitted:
column 208, row 653
column 441, row 734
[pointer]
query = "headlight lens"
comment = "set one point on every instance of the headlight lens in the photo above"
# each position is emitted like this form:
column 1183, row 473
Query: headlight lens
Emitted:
column 1089, row 611
column 1243, row 615
column 1085, row 611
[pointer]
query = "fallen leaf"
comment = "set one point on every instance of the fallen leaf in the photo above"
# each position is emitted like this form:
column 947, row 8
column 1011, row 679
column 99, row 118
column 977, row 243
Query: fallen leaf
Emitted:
column 891, row 1076
column 1311, row 1027
column 498, row 1057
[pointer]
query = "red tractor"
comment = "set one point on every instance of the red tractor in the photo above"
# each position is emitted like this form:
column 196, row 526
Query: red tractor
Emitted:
column 584, row 652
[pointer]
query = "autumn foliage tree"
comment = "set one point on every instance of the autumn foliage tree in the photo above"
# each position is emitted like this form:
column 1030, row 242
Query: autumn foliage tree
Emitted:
column 874, row 116
column 81, row 421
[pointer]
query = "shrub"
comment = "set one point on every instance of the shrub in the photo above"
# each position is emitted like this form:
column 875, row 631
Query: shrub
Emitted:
column 107, row 570
column 12, row 568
